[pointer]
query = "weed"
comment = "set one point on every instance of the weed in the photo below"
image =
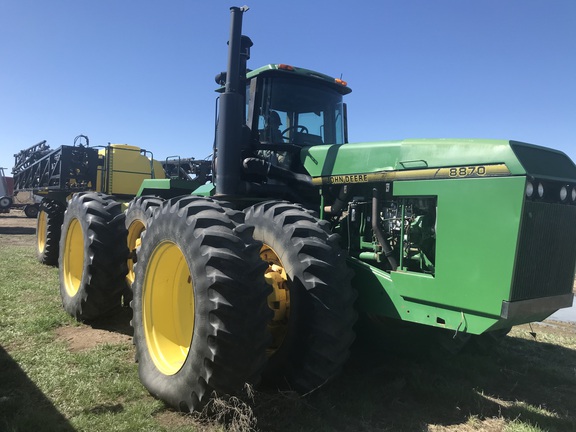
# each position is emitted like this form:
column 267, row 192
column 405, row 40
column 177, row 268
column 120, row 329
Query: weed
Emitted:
column 233, row 412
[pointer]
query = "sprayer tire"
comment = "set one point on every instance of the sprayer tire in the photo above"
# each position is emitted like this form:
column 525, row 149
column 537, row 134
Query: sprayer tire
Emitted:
column 93, row 256
column 199, row 306
column 31, row 210
column 318, row 330
column 48, row 229
column 5, row 202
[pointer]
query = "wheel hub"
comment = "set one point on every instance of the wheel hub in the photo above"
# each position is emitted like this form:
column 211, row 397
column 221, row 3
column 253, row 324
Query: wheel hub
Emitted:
column 279, row 299
column 168, row 308
column 73, row 258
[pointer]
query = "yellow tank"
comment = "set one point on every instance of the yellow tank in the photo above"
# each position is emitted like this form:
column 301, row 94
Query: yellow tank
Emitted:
column 123, row 168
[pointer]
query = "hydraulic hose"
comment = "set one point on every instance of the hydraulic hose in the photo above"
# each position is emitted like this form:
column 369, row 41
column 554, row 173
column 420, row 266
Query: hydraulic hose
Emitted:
column 388, row 252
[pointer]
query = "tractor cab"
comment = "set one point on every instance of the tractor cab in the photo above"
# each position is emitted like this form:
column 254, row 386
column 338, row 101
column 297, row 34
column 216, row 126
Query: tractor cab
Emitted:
column 294, row 106
column 288, row 108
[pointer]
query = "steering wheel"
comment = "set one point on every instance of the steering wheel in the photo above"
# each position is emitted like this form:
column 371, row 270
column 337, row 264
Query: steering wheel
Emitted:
column 297, row 128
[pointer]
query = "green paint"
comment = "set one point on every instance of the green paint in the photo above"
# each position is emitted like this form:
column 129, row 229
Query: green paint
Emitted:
column 206, row 190
column 477, row 229
column 409, row 154
column 166, row 188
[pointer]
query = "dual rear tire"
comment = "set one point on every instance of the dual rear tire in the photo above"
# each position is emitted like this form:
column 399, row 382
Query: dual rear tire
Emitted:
column 92, row 258
column 199, row 303
column 312, row 300
column 140, row 210
column 48, row 230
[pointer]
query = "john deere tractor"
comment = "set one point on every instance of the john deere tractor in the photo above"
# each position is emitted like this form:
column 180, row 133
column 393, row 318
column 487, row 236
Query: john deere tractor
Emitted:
column 260, row 274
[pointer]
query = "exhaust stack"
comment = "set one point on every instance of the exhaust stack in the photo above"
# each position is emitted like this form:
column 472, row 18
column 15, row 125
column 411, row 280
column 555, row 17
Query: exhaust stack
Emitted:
column 232, row 116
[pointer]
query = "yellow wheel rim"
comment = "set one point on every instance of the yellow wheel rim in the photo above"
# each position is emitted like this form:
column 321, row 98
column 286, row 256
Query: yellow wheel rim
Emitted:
column 73, row 265
column 168, row 308
column 41, row 231
column 135, row 231
column 279, row 299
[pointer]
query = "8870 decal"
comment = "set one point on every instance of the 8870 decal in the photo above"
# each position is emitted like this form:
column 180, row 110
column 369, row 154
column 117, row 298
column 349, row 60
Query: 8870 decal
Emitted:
column 473, row 171
column 467, row 171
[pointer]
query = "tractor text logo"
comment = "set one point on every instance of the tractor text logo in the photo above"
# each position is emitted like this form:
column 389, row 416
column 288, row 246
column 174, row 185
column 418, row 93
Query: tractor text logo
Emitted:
column 355, row 178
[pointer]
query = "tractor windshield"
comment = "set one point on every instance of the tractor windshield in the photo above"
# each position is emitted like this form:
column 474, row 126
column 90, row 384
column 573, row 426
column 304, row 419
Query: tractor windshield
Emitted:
column 299, row 111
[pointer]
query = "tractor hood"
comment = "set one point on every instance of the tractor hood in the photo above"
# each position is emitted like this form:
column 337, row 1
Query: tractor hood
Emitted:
column 433, row 158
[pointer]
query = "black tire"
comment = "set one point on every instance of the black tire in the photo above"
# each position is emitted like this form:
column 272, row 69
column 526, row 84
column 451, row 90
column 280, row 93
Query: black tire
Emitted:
column 313, row 330
column 48, row 229
column 137, row 214
column 31, row 210
column 93, row 256
column 5, row 202
column 199, row 307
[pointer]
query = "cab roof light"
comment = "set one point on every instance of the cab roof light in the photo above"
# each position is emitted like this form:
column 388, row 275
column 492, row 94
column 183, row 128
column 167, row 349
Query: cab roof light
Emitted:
column 286, row 67
column 341, row 82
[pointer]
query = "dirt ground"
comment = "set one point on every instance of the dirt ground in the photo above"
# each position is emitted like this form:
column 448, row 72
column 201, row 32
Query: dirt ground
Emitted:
column 85, row 337
column 18, row 230
column 16, row 218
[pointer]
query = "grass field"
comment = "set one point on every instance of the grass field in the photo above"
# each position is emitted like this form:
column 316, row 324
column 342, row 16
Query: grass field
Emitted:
column 60, row 375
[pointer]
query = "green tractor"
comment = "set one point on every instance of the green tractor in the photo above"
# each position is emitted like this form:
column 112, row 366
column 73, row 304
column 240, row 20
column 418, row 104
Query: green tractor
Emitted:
column 260, row 272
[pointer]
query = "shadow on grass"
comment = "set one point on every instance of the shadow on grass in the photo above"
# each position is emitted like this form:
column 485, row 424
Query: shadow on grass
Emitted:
column 399, row 384
column 117, row 321
column 23, row 407
column 17, row 230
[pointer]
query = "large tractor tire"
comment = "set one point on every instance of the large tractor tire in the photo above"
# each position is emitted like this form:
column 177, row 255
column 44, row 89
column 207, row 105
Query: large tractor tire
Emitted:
column 139, row 211
column 48, row 229
column 200, row 309
column 93, row 256
column 312, row 299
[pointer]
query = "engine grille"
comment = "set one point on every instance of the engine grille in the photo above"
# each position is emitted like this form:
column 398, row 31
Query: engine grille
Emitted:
column 546, row 251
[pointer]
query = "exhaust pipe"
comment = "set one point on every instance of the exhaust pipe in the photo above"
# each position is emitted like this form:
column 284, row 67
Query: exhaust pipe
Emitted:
column 232, row 116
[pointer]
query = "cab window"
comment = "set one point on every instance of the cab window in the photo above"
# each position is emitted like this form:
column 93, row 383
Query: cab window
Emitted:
column 297, row 111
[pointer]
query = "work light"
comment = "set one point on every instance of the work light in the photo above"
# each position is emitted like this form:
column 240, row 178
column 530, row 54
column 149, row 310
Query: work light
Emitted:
column 563, row 193
column 530, row 189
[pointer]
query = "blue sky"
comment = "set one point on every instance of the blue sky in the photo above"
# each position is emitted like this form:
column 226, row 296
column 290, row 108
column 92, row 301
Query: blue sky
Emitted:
column 142, row 72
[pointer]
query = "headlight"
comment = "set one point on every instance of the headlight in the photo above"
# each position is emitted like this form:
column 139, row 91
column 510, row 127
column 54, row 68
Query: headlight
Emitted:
column 540, row 190
column 573, row 194
column 563, row 193
column 530, row 189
